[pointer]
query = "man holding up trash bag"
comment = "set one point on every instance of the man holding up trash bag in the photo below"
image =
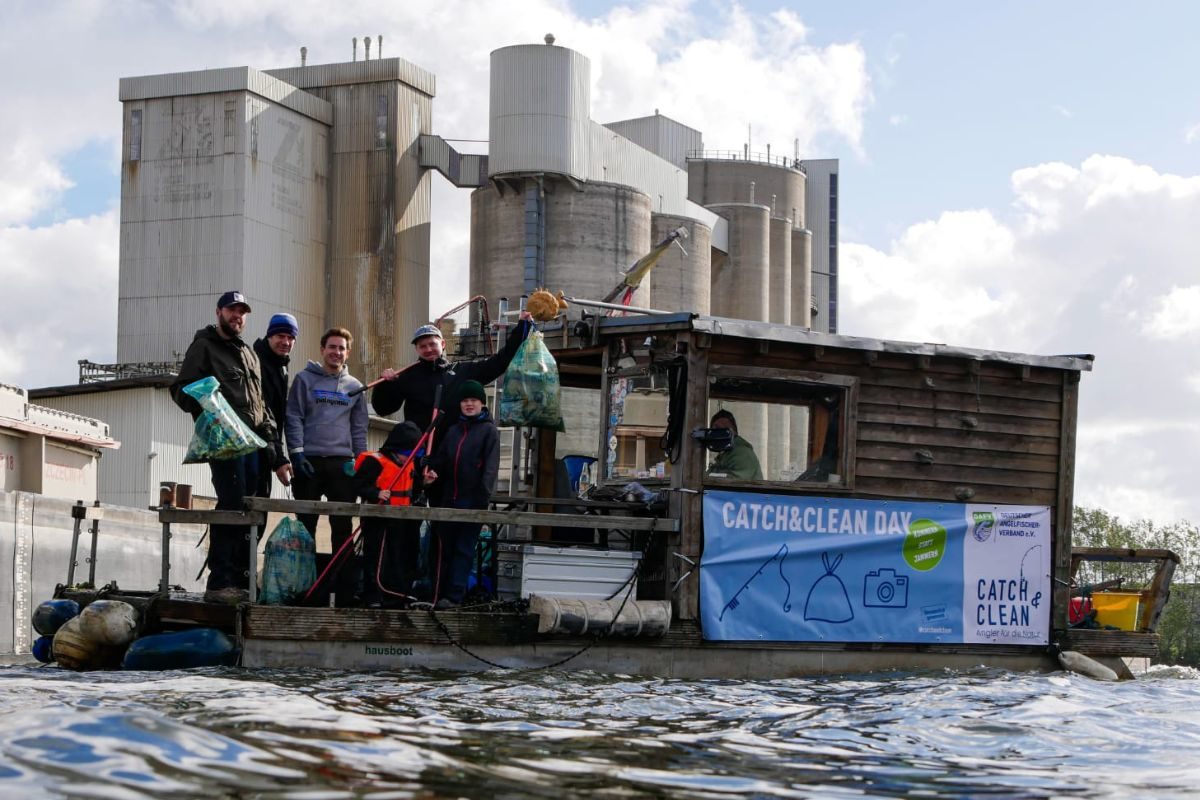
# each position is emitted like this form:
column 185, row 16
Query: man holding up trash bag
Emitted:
column 414, row 387
column 218, row 351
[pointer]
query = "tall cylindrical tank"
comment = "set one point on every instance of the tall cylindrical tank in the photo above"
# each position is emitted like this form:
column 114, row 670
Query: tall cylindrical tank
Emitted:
column 713, row 181
column 801, row 316
column 780, row 265
column 801, row 288
column 778, row 450
column 591, row 236
column 540, row 112
column 740, row 286
column 681, row 280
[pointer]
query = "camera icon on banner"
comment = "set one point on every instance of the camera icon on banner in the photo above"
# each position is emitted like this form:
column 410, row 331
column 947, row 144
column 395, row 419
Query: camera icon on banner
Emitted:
column 883, row 588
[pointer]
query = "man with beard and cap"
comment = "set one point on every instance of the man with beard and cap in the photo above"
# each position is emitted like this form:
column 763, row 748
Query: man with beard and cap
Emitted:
column 415, row 386
column 391, row 548
column 219, row 351
column 274, row 353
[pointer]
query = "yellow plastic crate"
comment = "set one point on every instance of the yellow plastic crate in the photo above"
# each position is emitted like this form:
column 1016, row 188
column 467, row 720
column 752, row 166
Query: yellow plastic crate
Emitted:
column 1119, row 609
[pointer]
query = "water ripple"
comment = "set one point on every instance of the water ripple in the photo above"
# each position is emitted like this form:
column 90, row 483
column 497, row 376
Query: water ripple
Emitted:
column 313, row 735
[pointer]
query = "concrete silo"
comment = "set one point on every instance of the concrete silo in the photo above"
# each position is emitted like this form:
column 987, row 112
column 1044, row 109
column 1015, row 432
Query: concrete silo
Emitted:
column 740, row 289
column 541, row 221
column 801, row 311
column 780, row 312
column 681, row 281
column 713, row 180
column 582, row 238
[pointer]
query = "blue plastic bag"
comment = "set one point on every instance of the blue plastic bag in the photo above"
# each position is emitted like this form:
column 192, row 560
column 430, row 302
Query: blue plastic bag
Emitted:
column 290, row 564
column 220, row 432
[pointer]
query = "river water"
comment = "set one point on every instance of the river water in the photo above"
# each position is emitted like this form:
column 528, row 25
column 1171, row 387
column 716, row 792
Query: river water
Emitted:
column 313, row 735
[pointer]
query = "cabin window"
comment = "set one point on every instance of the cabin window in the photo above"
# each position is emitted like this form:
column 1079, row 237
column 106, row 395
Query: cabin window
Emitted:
column 637, row 421
column 792, row 427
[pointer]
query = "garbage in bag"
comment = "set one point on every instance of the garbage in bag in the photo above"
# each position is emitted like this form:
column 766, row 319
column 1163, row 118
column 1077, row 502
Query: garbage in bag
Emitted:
column 531, row 390
column 290, row 564
column 220, row 432
column 827, row 599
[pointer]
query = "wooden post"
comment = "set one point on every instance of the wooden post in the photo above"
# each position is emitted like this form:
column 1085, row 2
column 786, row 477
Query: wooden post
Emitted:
column 544, row 479
column 688, row 472
column 1064, row 509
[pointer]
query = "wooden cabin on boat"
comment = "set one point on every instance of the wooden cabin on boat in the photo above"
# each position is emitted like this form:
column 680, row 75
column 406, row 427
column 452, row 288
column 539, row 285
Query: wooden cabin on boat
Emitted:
column 911, row 508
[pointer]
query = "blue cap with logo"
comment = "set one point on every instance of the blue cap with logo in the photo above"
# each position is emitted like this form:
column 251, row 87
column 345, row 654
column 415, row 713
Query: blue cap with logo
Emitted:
column 426, row 330
column 233, row 299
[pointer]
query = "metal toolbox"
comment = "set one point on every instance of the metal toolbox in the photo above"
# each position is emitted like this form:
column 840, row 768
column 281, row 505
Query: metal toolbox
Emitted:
column 525, row 569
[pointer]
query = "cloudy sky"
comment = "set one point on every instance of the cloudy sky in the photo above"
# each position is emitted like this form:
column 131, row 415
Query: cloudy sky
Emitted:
column 1018, row 175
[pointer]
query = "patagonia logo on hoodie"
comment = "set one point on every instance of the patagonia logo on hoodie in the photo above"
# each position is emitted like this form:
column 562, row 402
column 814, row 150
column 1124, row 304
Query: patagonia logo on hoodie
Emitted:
column 326, row 397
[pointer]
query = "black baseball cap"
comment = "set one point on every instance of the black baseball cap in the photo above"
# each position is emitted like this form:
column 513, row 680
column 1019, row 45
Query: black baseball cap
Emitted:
column 233, row 299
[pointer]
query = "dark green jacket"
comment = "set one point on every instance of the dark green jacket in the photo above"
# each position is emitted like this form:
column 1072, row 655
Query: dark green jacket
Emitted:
column 738, row 462
column 235, row 366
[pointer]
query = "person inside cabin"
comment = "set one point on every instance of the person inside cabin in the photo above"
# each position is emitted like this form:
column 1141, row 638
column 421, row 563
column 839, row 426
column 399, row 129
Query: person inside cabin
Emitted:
column 274, row 353
column 740, row 460
column 219, row 351
column 391, row 548
column 467, row 463
column 326, row 428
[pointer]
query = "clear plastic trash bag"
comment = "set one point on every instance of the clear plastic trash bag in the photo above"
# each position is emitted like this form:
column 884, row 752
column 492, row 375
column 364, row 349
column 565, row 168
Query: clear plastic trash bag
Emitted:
column 220, row 432
column 290, row 563
column 532, row 394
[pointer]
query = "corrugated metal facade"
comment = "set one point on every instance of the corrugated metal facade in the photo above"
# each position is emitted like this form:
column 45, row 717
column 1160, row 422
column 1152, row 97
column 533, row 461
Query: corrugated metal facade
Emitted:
column 820, row 196
column 539, row 117
column 145, row 421
column 663, row 136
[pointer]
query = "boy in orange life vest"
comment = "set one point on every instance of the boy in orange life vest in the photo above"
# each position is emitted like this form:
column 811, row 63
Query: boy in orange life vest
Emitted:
column 390, row 476
column 468, row 461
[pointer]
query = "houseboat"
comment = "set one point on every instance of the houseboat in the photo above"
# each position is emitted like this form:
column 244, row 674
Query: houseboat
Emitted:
column 910, row 508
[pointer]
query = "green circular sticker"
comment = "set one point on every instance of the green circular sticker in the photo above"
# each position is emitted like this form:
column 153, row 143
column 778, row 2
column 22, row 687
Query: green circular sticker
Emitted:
column 924, row 545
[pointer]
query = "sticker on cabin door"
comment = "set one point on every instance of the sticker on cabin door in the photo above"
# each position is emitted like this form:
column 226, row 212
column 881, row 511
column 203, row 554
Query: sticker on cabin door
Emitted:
column 824, row 569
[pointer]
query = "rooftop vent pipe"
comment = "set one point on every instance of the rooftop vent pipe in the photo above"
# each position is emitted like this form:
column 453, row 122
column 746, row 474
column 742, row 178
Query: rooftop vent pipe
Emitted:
column 366, row 48
column 303, row 56
column 549, row 38
column 354, row 48
column 379, row 47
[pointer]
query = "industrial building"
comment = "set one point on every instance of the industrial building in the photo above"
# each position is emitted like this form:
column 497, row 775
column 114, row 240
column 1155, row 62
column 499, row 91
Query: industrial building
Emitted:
column 315, row 200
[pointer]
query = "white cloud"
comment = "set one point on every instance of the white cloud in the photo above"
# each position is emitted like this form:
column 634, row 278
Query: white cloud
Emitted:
column 1063, row 111
column 1097, row 258
column 1192, row 134
column 896, row 120
column 1177, row 314
column 647, row 56
column 60, row 285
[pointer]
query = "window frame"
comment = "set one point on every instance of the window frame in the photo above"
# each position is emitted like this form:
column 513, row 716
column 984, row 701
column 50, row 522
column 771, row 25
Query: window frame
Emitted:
column 849, row 424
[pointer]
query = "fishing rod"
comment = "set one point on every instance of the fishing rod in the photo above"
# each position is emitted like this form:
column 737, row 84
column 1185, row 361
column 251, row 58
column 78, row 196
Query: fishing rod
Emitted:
column 337, row 557
column 484, row 322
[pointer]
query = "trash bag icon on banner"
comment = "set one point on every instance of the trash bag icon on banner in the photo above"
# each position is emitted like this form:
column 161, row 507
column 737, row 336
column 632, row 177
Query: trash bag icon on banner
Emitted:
column 827, row 599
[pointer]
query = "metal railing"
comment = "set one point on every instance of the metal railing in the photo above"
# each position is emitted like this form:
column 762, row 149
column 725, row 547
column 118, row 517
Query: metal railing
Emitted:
column 90, row 372
column 747, row 156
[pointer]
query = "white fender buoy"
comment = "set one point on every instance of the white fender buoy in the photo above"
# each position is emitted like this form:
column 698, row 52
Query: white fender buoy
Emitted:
column 73, row 650
column 111, row 623
column 1074, row 661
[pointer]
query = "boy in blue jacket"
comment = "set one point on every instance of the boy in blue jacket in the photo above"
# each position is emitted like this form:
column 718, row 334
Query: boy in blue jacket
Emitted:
column 467, row 463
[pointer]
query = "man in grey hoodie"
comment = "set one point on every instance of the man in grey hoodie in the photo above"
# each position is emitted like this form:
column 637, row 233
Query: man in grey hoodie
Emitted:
column 326, row 428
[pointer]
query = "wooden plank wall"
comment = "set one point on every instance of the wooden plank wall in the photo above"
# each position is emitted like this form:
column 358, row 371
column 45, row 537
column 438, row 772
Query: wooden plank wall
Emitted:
column 993, row 430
